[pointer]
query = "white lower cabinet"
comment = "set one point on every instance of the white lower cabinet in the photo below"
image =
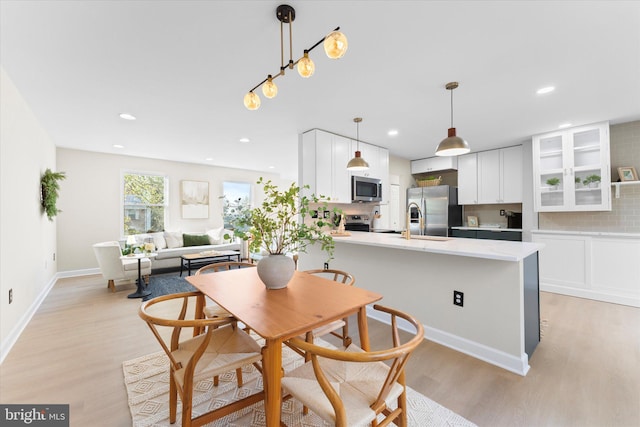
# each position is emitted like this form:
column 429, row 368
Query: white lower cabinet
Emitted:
column 599, row 266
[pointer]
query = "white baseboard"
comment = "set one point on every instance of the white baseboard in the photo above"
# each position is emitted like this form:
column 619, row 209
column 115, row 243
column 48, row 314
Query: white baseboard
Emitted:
column 591, row 294
column 12, row 338
column 487, row 354
column 78, row 273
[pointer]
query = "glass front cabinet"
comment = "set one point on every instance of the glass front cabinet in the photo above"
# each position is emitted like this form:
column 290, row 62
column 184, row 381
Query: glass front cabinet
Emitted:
column 571, row 169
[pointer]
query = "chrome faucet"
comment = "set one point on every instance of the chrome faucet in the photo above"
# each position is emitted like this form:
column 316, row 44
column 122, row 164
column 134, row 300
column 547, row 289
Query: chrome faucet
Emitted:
column 408, row 232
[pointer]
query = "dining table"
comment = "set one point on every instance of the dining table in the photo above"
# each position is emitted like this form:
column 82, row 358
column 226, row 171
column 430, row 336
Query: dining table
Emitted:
column 307, row 302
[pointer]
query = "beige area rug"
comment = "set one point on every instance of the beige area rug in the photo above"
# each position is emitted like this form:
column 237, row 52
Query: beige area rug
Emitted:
column 147, row 381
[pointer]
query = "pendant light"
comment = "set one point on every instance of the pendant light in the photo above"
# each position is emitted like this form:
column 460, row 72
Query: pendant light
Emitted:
column 452, row 145
column 357, row 163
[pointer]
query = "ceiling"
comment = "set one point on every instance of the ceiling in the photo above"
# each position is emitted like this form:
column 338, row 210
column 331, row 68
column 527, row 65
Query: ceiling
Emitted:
column 183, row 67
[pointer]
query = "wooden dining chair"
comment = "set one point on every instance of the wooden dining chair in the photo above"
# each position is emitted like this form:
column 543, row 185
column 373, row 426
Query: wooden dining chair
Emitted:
column 220, row 348
column 214, row 310
column 355, row 387
column 331, row 328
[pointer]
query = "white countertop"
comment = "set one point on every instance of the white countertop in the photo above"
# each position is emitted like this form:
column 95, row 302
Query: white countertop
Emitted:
column 588, row 233
column 476, row 248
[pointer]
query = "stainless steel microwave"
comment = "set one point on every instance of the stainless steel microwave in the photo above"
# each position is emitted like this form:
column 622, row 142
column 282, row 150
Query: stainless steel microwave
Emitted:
column 365, row 189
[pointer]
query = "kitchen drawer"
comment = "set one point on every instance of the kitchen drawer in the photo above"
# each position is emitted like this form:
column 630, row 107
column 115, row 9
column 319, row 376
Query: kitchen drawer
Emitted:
column 515, row 236
column 469, row 234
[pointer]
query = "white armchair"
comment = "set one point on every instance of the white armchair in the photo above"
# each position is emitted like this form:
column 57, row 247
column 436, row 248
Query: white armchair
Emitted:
column 113, row 268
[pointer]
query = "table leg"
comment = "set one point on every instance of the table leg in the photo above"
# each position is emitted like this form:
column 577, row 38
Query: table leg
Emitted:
column 272, row 367
column 140, row 292
column 363, row 328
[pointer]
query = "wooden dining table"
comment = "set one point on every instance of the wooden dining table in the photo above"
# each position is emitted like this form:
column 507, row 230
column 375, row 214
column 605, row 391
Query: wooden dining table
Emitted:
column 306, row 303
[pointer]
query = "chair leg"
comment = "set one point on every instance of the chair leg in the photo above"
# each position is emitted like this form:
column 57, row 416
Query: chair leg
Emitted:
column 307, row 357
column 346, row 339
column 173, row 399
column 239, row 377
column 111, row 285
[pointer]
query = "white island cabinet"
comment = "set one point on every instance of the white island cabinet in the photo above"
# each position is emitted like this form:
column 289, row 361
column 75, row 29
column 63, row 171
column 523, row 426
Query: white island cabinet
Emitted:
column 499, row 321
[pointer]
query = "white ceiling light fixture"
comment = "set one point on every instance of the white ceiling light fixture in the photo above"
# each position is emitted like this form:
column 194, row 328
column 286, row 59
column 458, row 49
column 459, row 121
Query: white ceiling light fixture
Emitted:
column 544, row 90
column 245, row 140
column 392, row 132
column 452, row 145
column 118, row 146
column 335, row 45
column 564, row 125
column 357, row 163
column 127, row 116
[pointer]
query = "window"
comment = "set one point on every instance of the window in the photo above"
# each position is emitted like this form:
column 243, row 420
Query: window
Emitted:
column 144, row 202
column 237, row 201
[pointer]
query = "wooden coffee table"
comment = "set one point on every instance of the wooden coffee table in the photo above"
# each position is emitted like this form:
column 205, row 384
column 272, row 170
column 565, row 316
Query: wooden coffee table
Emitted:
column 201, row 259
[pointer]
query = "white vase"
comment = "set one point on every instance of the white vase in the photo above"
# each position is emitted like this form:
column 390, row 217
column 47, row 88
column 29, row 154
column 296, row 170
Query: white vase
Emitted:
column 275, row 271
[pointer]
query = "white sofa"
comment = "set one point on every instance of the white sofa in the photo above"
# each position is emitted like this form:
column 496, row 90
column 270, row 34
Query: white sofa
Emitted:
column 170, row 245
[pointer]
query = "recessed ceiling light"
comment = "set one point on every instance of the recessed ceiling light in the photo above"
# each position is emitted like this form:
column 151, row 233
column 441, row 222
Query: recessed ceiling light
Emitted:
column 544, row 90
column 272, row 167
column 127, row 116
column 209, row 159
column 564, row 125
column 118, row 146
column 392, row 132
column 244, row 140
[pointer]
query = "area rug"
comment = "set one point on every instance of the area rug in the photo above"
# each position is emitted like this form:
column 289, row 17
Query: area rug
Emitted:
column 147, row 382
column 164, row 284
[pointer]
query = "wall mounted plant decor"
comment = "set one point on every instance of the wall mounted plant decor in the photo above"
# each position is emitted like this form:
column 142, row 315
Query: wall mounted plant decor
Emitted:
column 49, row 187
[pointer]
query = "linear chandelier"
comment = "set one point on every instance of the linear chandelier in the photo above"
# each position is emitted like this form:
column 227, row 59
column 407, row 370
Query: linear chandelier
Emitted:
column 335, row 46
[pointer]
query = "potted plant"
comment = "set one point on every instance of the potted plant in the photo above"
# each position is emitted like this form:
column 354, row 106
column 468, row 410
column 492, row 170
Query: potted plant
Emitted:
column 49, row 187
column 577, row 181
column 553, row 182
column 282, row 225
column 593, row 181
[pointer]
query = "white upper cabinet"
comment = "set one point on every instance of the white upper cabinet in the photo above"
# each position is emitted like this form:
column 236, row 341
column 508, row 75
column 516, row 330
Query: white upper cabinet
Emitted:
column 323, row 157
column 571, row 169
column 434, row 164
column 468, row 179
column 490, row 177
column 500, row 176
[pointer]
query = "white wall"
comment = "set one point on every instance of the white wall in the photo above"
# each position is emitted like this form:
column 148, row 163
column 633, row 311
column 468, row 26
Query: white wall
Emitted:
column 28, row 237
column 90, row 199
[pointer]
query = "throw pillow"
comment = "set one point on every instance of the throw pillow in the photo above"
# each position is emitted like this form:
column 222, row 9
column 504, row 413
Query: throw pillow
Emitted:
column 159, row 240
column 215, row 236
column 173, row 239
column 195, row 239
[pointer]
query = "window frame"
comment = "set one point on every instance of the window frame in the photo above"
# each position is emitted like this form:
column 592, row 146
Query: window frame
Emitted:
column 122, row 202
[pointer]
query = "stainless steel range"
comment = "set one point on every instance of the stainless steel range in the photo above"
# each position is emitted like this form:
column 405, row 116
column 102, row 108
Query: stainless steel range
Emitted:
column 356, row 223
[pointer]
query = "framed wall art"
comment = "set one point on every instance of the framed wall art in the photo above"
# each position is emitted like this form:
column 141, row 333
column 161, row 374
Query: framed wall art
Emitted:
column 194, row 199
column 472, row 221
column 627, row 173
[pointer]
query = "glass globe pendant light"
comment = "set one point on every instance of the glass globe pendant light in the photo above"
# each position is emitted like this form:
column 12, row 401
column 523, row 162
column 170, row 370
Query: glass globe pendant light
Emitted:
column 357, row 163
column 306, row 67
column 251, row 101
column 452, row 145
column 269, row 88
column 335, row 45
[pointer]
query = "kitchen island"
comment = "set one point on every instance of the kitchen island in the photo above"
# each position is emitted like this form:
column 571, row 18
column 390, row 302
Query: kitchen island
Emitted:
column 499, row 321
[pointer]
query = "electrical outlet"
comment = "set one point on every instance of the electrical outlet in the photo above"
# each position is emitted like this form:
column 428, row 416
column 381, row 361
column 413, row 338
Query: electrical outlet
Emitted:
column 54, row 256
column 502, row 212
column 10, row 295
column 458, row 298
column 326, row 265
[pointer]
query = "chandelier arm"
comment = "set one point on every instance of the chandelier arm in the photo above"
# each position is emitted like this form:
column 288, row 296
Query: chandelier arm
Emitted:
column 281, row 44
column 290, row 41
column 320, row 41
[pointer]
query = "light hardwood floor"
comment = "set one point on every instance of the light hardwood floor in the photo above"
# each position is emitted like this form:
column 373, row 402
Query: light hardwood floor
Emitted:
column 585, row 372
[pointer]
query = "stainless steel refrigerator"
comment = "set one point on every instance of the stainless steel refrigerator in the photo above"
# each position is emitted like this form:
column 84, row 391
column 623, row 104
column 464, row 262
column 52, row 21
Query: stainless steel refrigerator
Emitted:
column 438, row 210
